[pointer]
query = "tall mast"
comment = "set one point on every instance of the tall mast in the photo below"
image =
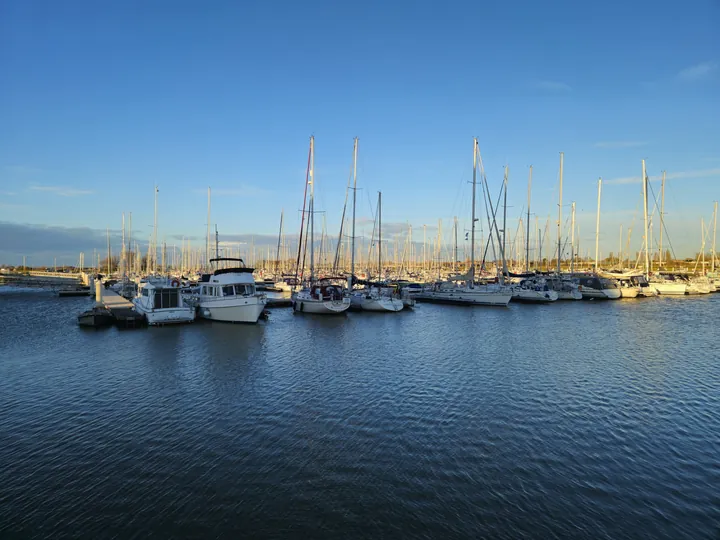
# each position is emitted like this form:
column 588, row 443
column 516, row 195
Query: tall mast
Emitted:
column 455, row 248
column 380, row 235
column 217, row 243
column 154, row 255
column 122, row 249
column 277, row 256
column 597, row 227
column 559, row 226
column 714, row 253
column 645, row 212
column 527, row 225
column 620, row 251
column 572, row 239
column 472, row 223
column 129, row 240
column 207, row 240
column 662, row 211
column 109, row 252
column 503, row 249
column 352, row 240
column 312, row 208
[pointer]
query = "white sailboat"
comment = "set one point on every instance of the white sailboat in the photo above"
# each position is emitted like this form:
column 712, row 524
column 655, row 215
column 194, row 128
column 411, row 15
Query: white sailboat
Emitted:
column 462, row 289
column 376, row 297
column 318, row 296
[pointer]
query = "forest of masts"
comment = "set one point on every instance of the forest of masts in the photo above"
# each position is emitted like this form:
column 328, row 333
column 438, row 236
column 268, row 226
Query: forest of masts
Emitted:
column 439, row 253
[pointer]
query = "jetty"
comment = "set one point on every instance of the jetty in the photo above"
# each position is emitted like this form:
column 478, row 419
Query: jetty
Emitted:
column 120, row 308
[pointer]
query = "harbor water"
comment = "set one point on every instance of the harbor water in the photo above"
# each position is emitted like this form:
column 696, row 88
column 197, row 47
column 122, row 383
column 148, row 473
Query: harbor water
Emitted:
column 571, row 420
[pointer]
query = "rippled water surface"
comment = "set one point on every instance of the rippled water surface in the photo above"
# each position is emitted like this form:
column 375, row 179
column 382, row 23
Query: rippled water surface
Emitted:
column 574, row 420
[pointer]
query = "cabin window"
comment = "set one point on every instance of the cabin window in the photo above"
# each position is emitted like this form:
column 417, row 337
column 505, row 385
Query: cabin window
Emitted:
column 166, row 298
column 144, row 292
column 228, row 290
column 244, row 290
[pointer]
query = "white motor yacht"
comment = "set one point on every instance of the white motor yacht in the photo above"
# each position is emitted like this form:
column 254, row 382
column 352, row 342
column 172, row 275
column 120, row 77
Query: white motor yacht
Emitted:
column 593, row 287
column 161, row 303
column 565, row 288
column 230, row 294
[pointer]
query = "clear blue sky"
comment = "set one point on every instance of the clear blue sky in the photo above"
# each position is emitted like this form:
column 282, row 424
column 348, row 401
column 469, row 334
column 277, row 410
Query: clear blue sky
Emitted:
column 99, row 101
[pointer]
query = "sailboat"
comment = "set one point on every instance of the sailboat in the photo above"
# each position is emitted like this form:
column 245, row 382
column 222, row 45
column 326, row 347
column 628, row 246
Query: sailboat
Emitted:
column 376, row 297
column 462, row 289
column 317, row 296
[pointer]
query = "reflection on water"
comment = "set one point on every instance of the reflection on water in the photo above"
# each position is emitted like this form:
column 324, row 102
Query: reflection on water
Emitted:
column 576, row 420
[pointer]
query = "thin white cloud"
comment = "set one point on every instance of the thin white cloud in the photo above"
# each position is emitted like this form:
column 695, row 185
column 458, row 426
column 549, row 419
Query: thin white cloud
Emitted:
column 619, row 144
column 705, row 173
column 697, row 72
column 552, row 86
column 62, row 191
column 7, row 193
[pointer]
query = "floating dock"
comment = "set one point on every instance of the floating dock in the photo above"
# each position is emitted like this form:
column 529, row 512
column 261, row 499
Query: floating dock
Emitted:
column 121, row 309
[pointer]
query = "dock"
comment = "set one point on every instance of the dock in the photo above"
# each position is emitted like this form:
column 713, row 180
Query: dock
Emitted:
column 278, row 302
column 121, row 309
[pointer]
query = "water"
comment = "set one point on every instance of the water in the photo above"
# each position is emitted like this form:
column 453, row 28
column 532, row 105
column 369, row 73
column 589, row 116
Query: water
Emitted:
column 574, row 420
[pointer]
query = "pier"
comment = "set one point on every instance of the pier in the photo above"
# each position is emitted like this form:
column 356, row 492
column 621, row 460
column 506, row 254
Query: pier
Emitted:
column 120, row 308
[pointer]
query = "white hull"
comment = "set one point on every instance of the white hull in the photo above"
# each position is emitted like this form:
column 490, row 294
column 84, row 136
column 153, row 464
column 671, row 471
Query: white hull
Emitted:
column 629, row 292
column 320, row 307
column 535, row 297
column 382, row 304
column 569, row 295
column 612, row 294
column 669, row 288
column 157, row 317
column 248, row 311
column 467, row 297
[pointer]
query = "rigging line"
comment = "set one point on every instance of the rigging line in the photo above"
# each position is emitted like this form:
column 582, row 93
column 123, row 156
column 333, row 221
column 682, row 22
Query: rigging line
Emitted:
column 662, row 224
column 302, row 221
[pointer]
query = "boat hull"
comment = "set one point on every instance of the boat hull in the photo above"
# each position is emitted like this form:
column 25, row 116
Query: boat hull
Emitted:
column 382, row 304
column 629, row 292
column 159, row 317
column 248, row 311
column 466, row 298
column 569, row 295
column 320, row 307
column 534, row 297
column 669, row 288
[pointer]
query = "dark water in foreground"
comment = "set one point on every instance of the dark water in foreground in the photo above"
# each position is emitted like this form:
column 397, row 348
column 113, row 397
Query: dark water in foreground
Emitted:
column 575, row 420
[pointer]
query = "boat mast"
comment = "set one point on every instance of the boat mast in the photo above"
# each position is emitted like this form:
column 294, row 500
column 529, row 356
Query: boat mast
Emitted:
column 217, row 243
column 662, row 210
column 312, row 208
column 122, row 251
column 559, row 226
column 645, row 212
column 352, row 239
column 503, row 248
column 472, row 225
column 715, row 211
column 109, row 253
column 277, row 257
column 154, row 241
column 572, row 239
column 597, row 226
column 455, row 248
column 527, row 225
column 380, row 235
column 207, row 239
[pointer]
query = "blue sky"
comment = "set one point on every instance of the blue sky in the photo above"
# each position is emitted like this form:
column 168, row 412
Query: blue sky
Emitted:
column 100, row 101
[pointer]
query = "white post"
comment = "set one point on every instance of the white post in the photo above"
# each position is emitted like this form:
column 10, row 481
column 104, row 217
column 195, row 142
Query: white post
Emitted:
column 572, row 240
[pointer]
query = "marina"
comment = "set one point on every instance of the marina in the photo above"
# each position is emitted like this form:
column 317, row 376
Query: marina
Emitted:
column 210, row 429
